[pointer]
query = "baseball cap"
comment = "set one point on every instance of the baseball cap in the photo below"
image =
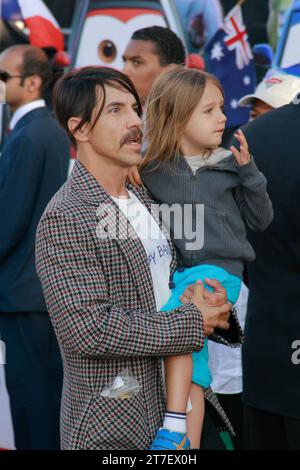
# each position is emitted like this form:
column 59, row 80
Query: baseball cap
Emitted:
column 275, row 90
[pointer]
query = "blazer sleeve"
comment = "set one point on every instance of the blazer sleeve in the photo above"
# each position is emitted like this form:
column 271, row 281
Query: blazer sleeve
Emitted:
column 85, row 319
column 20, row 169
column 233, row 337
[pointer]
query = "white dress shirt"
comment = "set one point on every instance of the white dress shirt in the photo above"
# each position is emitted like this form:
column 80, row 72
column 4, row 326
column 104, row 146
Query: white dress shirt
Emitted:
column 24, row 109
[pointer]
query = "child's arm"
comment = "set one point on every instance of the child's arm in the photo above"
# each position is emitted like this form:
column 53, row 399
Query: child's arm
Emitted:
column 251, row 196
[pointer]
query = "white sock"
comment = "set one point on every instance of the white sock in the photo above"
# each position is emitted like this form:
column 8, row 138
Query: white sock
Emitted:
column 175, row 422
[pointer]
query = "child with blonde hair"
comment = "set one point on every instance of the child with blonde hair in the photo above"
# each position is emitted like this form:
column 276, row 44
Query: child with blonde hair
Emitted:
column 185, row 165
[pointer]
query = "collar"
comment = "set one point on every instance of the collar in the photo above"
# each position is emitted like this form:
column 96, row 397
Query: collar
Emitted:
column 83, row 182
column 225, row 164
column 22, row 110
column 215, row 157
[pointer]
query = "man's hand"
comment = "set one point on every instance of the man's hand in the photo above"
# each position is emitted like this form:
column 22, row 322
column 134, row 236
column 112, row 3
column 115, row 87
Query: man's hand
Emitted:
column 213, row 305
column 134, row 176
column 216, row 298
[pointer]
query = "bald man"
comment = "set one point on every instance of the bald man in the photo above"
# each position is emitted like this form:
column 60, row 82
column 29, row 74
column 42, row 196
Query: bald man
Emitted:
column 33, row 166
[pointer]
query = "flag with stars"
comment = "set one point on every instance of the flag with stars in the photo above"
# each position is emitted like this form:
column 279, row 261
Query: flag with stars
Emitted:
column 228, row 56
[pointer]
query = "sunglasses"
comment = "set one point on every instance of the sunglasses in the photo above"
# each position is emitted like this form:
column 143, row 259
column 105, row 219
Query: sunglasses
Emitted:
column 5, row 76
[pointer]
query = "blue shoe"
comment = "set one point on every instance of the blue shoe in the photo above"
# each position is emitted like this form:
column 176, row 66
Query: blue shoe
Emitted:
column 170, row 440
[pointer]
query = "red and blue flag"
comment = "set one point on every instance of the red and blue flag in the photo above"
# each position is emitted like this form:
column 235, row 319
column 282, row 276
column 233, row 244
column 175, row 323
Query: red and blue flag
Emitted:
column 44, row 30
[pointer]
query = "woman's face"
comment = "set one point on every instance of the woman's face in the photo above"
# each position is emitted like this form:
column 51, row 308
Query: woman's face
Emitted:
column 205, row 128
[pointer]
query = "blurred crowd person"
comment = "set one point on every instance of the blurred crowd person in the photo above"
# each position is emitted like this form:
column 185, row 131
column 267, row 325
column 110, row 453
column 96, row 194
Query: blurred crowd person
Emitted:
column 271, row 373
column 33, row 165
column 151, row 52
column 276, row 90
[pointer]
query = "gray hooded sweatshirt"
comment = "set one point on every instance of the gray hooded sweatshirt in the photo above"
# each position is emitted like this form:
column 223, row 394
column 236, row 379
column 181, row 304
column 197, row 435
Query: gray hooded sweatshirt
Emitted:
column 231, row 197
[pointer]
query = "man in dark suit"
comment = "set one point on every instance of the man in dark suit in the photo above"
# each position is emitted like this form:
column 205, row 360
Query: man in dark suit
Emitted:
column 272, row 331
column 33, row 166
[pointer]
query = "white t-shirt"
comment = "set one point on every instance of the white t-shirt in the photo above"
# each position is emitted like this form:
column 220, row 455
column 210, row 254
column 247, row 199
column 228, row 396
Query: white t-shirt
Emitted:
column 155, row 244
column 226, row 363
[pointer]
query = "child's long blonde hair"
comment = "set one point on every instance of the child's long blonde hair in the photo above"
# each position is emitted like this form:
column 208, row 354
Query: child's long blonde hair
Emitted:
column 171, row 102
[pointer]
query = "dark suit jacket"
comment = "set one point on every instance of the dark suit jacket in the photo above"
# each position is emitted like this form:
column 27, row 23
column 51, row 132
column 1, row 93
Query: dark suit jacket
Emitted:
column 271, row 379
column 33, row 165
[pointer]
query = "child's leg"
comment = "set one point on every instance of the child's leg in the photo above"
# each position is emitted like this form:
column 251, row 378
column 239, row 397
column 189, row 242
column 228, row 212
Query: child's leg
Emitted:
column 178, row 374
column 196, row 416
column 178, row 370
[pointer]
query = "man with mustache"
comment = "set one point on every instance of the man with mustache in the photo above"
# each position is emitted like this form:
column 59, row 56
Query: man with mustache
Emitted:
column 105, row 279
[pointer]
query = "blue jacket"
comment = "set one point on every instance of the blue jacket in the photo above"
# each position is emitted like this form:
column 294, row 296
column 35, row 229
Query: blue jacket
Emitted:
column 33, row 165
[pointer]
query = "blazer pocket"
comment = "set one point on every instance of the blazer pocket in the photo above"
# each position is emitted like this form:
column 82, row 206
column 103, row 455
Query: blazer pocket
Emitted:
column 117, row 424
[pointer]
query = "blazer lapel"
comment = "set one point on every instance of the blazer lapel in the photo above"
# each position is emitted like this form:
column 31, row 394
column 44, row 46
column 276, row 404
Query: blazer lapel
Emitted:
column 113, row 225
column 36, row 113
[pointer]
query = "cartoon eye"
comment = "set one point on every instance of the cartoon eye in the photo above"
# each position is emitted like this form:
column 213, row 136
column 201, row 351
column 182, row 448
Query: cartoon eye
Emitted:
column 107, row 51
column 106, row 31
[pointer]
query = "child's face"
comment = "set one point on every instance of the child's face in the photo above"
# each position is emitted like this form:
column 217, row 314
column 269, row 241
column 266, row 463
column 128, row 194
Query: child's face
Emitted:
column 206, row 125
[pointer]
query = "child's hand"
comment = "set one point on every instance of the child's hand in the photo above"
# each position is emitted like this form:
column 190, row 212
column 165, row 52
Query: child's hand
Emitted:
column 213, row 317
column 216, row 298
column 243, row 156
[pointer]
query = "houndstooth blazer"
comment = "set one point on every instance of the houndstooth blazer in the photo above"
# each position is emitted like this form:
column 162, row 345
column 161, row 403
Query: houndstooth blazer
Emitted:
column 100, row 298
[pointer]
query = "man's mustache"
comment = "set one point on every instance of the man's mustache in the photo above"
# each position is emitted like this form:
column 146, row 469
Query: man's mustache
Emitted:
column 135, row 134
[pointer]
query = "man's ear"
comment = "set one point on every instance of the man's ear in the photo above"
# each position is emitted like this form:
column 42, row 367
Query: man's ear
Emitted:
column 33, row 84
column 80, row 134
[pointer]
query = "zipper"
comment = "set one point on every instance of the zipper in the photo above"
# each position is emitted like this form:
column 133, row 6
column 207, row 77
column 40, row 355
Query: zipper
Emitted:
column 203, row 168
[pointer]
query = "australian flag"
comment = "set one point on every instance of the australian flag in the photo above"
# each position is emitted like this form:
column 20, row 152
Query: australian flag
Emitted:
column 229, row 57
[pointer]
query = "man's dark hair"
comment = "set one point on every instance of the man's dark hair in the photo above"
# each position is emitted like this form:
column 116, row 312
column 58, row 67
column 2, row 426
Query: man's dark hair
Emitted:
column 167, row 45
column 76, row 94
column 35, row 62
